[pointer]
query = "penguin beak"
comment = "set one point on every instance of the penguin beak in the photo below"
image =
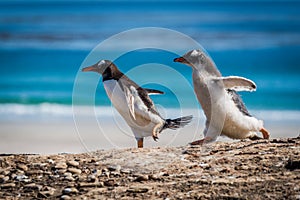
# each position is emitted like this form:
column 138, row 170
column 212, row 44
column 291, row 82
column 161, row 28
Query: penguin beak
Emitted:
column 180, row 59
column 92, row 68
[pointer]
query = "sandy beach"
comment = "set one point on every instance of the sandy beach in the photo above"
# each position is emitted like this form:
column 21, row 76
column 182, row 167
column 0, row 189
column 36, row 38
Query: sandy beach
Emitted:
column 50, row 133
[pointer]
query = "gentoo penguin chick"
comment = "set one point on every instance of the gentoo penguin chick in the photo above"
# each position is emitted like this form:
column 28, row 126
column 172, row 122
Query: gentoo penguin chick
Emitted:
column 133, row 103
column 224, row 109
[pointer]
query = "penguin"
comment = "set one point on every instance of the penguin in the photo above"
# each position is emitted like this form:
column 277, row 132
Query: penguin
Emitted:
column 134, row 104
column 225, row 111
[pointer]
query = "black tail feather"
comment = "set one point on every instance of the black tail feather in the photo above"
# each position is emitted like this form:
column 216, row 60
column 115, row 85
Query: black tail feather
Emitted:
column 178, row 122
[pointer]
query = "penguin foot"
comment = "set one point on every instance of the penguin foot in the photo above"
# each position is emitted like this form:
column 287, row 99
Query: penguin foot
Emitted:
column 265, row 133
column 140, row 143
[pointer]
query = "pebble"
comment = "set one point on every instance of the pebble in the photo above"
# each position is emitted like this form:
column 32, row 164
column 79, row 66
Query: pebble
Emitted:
column 6, row 172
column 95, row 184
column 114, row 168
column 74, row 170
column 22, row 167
column 141, row 177
column 3, row 178
column 33, row 186
column 204, row 165
column 65, row 197
column 22, row 178
column 33, row 172
column 137, row 190
column 110, row 182
column 71, row 190
column 96, row 172
column 73, row 163
column 47, row 192
column 8, row 185
column 91, row 178
column 126, row 171
column 155, row 176
column 61, row 165
column 69, row 178
column 50, row 161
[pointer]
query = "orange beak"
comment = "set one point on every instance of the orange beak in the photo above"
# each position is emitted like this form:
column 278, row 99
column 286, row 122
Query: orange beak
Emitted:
column 180, row 59
column 92, row 68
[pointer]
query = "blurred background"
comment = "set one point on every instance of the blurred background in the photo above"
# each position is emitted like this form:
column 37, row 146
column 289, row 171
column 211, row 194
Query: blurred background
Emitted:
column 43, row 43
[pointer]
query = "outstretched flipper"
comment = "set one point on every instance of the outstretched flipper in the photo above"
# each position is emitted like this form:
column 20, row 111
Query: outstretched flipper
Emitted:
column 153, row 91
column 237, row 83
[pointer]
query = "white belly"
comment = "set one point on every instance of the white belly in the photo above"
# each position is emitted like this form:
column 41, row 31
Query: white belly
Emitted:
column 222, row 114
column 145, row 121
column 238, row 125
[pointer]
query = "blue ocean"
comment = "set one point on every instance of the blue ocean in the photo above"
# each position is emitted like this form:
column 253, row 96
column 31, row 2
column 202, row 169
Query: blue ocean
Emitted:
column 44, row 43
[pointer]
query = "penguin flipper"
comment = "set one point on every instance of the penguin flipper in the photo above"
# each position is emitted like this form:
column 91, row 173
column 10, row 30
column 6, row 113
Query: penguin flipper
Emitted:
column 237, row 83
column 153, row 91
column 130, row 101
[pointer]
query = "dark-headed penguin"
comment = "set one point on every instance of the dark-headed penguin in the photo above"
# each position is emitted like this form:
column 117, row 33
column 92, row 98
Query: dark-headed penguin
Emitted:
column 133, row 103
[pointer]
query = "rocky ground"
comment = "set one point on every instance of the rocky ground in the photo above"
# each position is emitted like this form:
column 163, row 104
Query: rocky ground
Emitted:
column 239, row 170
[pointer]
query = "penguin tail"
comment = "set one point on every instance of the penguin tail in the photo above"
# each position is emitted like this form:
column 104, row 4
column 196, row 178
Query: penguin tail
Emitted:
column 178, row 122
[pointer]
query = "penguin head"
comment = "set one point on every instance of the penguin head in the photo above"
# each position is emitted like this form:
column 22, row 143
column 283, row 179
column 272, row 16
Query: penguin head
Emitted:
column 100, row 67
column 194, row 58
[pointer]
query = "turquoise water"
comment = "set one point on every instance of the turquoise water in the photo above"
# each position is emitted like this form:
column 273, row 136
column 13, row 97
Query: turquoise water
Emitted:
column 43, row 43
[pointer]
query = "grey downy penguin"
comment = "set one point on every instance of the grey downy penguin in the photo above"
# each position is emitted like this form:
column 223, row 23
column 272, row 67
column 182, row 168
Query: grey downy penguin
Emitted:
column 225, row 112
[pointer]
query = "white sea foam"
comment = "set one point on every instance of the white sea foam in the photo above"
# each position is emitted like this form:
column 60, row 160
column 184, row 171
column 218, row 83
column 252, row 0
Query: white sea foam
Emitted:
column 47, row 110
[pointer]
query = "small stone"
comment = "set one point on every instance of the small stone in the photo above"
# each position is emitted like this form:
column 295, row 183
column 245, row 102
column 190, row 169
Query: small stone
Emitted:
column 61, row 165
column 74, row 170
column 142, row 178
column 244, row 167
column 22, row 178
column 73, row 163
column 71, row 190
column 65, row 197
column 47, row 192
column 67, row 174
column 69, row 178
column 50, row 161
column 3, row 178
column 115, row 173
column 106, row 174
column 5, row 172
column 96, row 172
column 8, row 185
column 155, row 176
column 137, row 190
column 32, row 186
column 91, row 178
column 204, row 165
column 22, row 167
column 126, row 171
column 109, row 183
column 114, row 168
column 95, row 184
column 33, row 172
